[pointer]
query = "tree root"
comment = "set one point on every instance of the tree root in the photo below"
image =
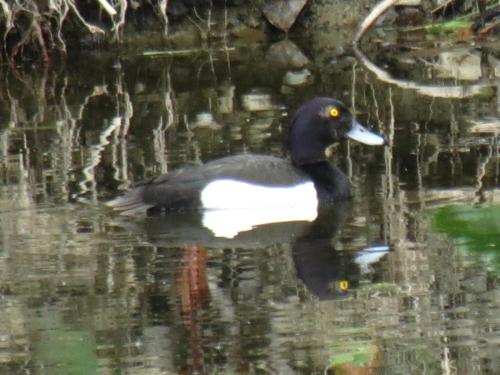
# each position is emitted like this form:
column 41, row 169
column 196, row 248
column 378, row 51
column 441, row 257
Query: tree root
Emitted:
column 31, row 27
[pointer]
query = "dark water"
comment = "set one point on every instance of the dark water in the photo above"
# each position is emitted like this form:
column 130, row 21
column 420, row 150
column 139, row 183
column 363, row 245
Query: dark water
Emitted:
column 367, row 287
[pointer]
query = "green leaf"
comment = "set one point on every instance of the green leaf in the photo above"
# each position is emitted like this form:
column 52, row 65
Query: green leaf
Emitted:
column 473, row 229
column 354, row 352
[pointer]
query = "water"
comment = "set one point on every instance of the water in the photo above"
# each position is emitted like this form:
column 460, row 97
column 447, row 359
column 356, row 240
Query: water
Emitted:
column 368, row 287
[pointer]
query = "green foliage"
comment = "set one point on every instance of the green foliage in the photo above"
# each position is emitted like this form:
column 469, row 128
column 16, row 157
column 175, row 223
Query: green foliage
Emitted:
column 68, row 352
column 448, row 26
column 356, row 359
column 451, row 26
column 473, row 229
column 353, row 347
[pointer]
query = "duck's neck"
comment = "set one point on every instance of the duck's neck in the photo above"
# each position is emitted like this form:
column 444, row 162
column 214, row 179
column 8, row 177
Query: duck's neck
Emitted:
column 330, row 182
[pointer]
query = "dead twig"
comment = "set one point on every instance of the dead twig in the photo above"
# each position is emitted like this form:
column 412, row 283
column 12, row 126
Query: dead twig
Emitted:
column 163, row 6
column 118, row 25
column 376, row 12
column 107, row 7
column 93, row 29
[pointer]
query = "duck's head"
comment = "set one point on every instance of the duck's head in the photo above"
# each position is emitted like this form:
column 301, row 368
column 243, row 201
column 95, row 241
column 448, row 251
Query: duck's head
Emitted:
column 318, row 124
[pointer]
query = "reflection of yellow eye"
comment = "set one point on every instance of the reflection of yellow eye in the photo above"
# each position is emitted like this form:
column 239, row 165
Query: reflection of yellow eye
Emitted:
column 343, row 284
column 334, row 112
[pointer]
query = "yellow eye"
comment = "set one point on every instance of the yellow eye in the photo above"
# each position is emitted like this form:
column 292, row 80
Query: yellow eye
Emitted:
column 343, row 284
column 334, row 112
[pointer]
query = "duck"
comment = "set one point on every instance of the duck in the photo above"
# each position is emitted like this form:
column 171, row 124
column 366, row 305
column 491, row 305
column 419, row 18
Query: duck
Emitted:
column 305, row 178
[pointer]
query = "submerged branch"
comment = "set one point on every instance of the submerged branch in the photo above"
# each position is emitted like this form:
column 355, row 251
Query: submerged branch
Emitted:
column 376, row 12
column 435, row 91
column 184, row 52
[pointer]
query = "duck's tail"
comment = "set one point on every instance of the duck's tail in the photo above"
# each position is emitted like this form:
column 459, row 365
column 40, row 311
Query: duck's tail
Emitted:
column 130, row 203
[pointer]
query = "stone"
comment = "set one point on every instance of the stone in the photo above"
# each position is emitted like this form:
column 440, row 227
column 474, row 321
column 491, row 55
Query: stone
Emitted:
column 282, row 14
column 286, row 54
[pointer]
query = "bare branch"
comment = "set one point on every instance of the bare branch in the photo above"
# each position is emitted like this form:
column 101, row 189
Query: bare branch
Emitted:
column 376, row 12
column 107, row 7
column 121, row 19
column 163, row 6
column 92, row 28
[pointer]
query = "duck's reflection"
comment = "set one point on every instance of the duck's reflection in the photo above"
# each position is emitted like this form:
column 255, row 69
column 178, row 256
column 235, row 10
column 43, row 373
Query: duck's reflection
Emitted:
column 326, row 272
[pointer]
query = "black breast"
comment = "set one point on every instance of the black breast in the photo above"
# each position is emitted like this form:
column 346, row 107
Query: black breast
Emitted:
column 330, row 182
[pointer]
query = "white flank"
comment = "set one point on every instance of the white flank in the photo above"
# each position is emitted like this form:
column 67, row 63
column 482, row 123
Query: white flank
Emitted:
column 230, row 194
column 233, row 206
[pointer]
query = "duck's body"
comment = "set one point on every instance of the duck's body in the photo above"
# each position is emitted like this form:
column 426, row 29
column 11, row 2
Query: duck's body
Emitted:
column 249, row 180
column 189, row 188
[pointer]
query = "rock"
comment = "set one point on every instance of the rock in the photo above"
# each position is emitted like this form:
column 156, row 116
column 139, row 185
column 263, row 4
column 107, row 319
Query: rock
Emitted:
column 225, row 100
column 205, row 120
column 297, row 78
column 465, row 65
column 257, row 102
column 485, row 126
column 333, row 24
column 283, row 13
column 286, row 54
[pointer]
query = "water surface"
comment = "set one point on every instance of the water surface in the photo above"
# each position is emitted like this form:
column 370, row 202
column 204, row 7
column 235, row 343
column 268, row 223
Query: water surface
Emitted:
column 367, row 287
